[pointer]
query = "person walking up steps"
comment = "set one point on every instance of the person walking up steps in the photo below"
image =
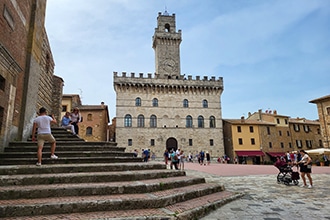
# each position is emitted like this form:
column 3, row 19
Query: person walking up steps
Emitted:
column 42, row 123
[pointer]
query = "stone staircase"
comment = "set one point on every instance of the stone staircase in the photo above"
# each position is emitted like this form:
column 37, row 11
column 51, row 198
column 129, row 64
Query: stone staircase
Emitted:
column 98, row 180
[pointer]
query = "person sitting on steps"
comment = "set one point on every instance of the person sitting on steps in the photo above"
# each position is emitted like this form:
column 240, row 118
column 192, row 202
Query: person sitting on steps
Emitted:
column 66, row 123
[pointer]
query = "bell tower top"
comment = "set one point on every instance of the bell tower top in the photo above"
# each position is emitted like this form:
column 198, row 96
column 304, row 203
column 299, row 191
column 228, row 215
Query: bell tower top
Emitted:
column 166, row 43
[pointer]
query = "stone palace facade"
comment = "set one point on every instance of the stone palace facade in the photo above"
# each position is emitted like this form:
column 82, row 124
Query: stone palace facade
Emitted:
column 167, row 109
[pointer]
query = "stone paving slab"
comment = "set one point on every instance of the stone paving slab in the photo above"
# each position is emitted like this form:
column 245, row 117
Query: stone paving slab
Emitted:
column 264, row 198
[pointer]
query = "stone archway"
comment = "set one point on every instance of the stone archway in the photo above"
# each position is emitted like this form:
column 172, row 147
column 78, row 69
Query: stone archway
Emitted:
column 171, row 143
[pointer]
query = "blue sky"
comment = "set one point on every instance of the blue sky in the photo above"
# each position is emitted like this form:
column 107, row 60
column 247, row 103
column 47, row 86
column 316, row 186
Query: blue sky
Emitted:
column 272, row 55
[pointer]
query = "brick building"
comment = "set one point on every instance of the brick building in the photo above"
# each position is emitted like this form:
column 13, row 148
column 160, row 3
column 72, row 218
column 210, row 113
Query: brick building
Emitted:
column 95, row 123
column 27, row 79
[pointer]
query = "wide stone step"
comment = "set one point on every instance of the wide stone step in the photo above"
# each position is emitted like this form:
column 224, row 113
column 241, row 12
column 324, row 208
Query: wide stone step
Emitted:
column 93, row 189
column 191, row 209
column 29, row 144
column 69, row 160
column 64, row 147
column 77, row 168
column 80, row 204
column 83, row 153
column 85, row 177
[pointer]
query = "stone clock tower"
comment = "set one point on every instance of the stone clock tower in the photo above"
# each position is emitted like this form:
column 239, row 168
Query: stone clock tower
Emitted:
column 167, row 109
column 166, row 43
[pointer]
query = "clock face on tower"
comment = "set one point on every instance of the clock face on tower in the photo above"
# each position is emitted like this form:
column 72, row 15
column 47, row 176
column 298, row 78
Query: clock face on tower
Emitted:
column 169, row 65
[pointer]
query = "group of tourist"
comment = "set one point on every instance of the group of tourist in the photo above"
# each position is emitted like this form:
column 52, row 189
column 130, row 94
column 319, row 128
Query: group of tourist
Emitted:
column 175, row 158
column 70, row 121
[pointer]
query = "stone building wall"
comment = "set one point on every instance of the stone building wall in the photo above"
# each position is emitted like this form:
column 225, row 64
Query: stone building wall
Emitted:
column 95, row 117
column 170, row 113
column 58, row 84
column 323, row 110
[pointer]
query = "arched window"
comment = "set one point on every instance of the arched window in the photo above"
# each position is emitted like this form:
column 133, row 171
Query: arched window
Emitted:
column 138, row 101
column 212, row 122
column 205, row 104
column 89, row 131
column 155, row 102
column 167, row 27
column 128, row 121
column 153, row 121
column 200, row 121
column 89, row 117
column 185, row 103
column 140, row 121
column 188, row 121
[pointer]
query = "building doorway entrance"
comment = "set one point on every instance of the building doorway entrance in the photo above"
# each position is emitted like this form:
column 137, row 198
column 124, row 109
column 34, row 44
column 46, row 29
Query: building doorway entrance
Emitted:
column 171, row 143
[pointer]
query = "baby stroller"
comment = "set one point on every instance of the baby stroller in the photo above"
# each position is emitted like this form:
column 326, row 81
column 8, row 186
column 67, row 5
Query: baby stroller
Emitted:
column 287, row 175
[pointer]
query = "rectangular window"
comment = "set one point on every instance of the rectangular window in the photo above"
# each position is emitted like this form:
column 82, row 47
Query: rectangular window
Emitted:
column 1, row 117
column 282, row 145
column 278, row 120
column 280, row 133
column 2, row 83
column 296, row 127
column 239, row 129
column 64, row 108
column 309, row 143
column 190, row 142
column 306, row 128
column 268, row 130
column 286, row 121
column 240, row 141
column 299, row 143
column 270, row 144
column 152, row 142
column 211, row 142
column 290, row 145
column 130, row 142
column 288, row 133
column 251, row 129
column 253, row 142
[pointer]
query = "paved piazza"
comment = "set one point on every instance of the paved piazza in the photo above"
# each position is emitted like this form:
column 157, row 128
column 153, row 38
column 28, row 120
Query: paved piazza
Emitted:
column 264, row 198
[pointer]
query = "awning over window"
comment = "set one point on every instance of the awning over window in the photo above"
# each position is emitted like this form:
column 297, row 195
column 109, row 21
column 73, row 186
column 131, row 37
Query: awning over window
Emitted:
column 276, row 154
column 249, row 153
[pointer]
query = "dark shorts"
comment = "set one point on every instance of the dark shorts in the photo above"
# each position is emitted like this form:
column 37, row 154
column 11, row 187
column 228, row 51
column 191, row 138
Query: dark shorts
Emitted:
column 305, row 168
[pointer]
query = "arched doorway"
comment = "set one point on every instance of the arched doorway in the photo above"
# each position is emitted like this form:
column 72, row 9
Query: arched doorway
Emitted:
column 171, row 143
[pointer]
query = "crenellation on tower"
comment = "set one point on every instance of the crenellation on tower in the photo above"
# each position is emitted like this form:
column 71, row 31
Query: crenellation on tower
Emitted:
column 205, row 79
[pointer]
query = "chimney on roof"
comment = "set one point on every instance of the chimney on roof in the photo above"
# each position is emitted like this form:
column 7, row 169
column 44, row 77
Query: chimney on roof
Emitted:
column 275, row 112
column 260, row 114
column 242, row 119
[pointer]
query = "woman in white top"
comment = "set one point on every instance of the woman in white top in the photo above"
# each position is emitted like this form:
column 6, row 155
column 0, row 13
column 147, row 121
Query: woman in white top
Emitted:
column 306, row 168
column 75, row 118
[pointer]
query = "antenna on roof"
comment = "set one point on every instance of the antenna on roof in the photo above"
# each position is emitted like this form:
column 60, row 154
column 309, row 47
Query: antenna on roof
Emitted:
column 166, row 13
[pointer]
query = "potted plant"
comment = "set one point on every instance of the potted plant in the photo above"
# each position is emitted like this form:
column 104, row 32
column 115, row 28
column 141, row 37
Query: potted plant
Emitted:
column 322, row 160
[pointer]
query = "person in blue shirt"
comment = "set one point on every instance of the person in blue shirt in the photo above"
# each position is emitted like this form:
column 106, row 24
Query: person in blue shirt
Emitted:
column 66, row 122
column 145, row 155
